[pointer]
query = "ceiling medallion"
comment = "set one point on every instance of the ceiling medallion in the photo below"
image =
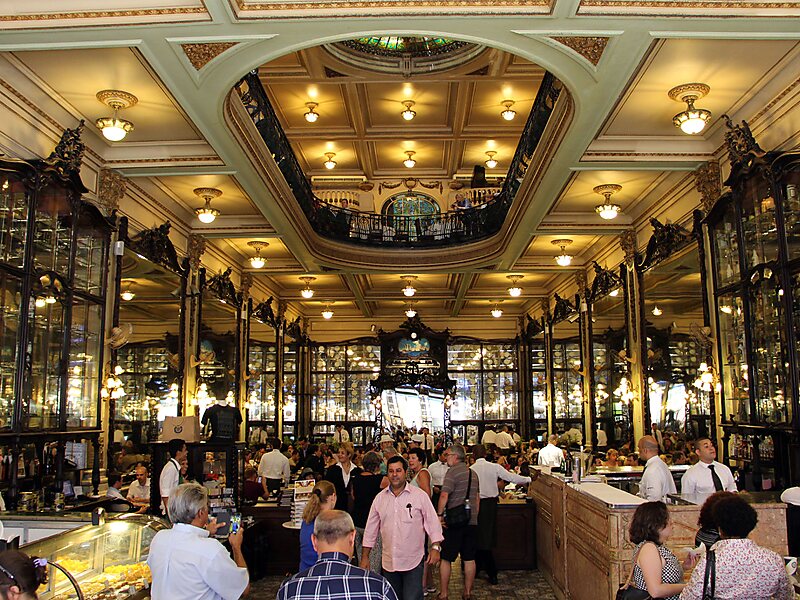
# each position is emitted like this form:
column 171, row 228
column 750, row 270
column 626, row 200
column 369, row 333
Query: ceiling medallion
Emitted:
column 692, row 120
column 607, row 210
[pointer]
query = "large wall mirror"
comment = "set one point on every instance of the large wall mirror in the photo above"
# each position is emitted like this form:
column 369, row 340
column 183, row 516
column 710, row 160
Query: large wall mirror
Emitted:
column 149, row 338
column 261, row 374
column 567, row 369
column 676, row 345
column 535, row 332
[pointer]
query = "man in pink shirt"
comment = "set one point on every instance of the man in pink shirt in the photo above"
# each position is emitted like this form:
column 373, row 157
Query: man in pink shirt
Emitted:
column 403, row 514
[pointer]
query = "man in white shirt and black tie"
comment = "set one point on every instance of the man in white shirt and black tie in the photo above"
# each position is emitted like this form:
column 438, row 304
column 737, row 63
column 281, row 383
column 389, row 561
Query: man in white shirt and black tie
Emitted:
column 708, row 475
column 340, row 435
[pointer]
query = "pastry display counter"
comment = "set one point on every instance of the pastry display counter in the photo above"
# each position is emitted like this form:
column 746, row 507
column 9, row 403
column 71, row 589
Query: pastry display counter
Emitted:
column 586, row 526
column 108, row 561
column 29, row 527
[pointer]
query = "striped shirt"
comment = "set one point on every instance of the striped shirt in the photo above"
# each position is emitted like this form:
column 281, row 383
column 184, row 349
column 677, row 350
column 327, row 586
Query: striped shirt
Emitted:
column 334, row 578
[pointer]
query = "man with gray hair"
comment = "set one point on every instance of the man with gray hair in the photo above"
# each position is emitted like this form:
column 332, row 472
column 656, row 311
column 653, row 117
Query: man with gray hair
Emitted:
column 186, row 563
column 333, row 577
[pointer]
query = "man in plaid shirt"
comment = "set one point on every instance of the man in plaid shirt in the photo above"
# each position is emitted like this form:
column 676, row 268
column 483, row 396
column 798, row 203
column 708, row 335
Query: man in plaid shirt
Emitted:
column 333, row 577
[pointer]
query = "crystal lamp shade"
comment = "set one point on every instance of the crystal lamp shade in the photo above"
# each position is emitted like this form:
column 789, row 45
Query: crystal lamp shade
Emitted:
column 564, row 259
column 497, row 312
column 311, row 116
column 408, row 114
column 329, row 163
column 515, row 291
column 257, row 261
column 692, row 120
column 607, row 211
column 114, row 129
column 307, row 293
column 410, row 162
column 508, row 114
column 327, row 313
column 409, row 291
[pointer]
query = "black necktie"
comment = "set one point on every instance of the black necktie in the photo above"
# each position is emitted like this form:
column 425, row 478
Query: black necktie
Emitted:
column 715, row 478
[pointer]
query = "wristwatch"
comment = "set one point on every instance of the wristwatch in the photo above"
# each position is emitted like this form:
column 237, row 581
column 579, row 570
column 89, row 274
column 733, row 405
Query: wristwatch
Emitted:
column 437, row 547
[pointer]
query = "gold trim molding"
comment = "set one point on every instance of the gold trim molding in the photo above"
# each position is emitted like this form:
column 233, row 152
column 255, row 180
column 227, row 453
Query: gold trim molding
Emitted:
column 111, row 189
column 202, row 54
column 590, row 48
column 707, row 181
column 104, row 14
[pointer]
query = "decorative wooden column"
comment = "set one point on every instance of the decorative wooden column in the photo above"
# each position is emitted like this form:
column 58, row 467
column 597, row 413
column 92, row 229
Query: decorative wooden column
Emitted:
column 303, row 412
column 246, row 282
column 524, row 400
column 548, row 360
column 635, row 351
column 587, row 363
column 191, row 318
column 280, row 344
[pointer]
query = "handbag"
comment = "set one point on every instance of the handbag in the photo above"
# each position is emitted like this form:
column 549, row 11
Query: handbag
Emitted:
column 631, row 592
column 709, row 579
column 458, row 516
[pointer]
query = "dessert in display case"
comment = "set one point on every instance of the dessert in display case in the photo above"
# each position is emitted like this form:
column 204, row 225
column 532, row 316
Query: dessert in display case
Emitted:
column 755, row 235
column 107, row 561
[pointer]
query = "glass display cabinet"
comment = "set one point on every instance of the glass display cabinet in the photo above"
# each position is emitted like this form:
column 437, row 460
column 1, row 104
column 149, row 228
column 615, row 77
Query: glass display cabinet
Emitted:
column 567, row 367
column 755, row 242
column 538, row 383
column 107, row 561
column 53, row 268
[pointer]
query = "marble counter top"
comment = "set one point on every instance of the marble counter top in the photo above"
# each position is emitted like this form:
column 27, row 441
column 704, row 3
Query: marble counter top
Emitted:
column 611, row 496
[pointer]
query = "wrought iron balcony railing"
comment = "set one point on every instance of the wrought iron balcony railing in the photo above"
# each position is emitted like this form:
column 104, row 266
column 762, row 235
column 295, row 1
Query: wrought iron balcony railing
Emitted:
column 352, row 226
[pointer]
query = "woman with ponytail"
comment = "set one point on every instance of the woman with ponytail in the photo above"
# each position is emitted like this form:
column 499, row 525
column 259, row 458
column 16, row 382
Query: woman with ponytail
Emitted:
column 21, row 575
column 323, row 498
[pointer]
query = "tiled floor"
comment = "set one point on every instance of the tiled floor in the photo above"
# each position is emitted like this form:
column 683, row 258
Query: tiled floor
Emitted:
column 512, row 585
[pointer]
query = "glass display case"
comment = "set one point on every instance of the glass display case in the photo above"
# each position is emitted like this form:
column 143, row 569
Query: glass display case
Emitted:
column 755, row 235
column 539, row 404
column 108, row 561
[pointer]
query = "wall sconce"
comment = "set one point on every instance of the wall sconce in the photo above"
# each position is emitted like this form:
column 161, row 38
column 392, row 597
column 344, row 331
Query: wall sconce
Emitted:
column 311, row 116
column 514, row 291
column 409, row 290
column 206, row 214
column 330, row 163
column 257, row 261
column 692, row 120
column 410, row 311
column 115, row 129
column 563, row 259
column 307, row 292
column 607, row 210
column 508, row 114
column 490, row 163
column 410, row 162
column 408, row 114
column 327, row 312
column 497, row 312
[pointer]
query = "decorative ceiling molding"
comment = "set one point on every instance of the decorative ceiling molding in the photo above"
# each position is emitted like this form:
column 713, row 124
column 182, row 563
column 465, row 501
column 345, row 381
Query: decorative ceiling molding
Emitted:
column 684, row 8
column 202, row 54
column 590, row 48
column 138, row 16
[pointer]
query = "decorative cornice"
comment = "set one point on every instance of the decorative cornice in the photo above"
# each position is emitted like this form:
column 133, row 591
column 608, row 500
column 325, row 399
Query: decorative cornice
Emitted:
column 104, row 14
column 111, row 189
column 628, row 243
column 202, row 54
column 638, row 7
column 590, row 48
column 169, row 160
column 196, row 249
column 484, row 6
column 708, row 181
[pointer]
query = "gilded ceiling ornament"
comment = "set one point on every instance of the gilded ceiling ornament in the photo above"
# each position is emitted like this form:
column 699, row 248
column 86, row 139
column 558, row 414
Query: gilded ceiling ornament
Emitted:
column 628, row 243
column 197, row 247
column 590, row 48
column 110, row 190
column 245, row 284
column 202, row 54
column 410, row 183
column 580, row 281
column 707, row 181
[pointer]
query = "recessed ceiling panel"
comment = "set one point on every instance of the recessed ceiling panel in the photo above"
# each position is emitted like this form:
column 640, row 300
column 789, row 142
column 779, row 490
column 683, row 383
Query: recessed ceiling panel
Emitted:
column 290, row 100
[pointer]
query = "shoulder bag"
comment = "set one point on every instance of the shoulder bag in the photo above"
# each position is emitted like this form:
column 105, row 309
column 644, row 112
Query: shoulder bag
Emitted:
column 628, row 591
column 709, row 580
column 458, row 516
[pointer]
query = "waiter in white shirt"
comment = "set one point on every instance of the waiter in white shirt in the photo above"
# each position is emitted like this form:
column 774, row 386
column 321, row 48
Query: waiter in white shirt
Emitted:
column 171, row 473
column 503, row 440
column 489, row 436
column 707, row 476
column 340, row 435
column 427, row 444
column 438, row 470
column 489, row 474
column 273, row 469
column 551, row 455
column 657, row 480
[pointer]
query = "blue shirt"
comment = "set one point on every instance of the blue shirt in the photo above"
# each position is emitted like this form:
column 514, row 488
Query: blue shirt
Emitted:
column 334, row 578
column 308, row 556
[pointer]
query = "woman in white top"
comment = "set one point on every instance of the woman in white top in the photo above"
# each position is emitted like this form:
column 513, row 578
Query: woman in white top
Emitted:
column 421, row 477
column 341, row 473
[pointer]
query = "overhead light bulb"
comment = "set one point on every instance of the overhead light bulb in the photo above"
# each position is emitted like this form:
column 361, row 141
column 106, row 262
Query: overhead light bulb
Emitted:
column 257, row 261
column 311, row 116
column 497, row 312
column 607, row 210
column 330, row 163
column 206, row 214
column 307, row 292
column 113, row 128
column 409, row 290
column 614, row 293
column 127, row 295
column 408, row 114
column 692, row 120
column 491, row 163
column 514, row 291
column 657, row 312
column 508, row 114
column 410, row 162
column 563, row 259
column 327, row 313
column 410, row 312
column 40, row 303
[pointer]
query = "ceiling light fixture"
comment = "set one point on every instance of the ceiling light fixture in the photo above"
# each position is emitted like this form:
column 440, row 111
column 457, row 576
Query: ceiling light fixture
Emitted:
column 115, row 129
column 508, row 114
column 514, row 291
column 614, row 293
column 128, row 294
column 327, row 312
column 409, row 290
column 257, row 261
column 307, row 292
column 692, row 120
column 410, row 311
column 311, row 116
column 497, row 312
column 206, row 214
column 330, row 163
column 607, row 210
column 563, row 259
column 657, row 312
column 410, row 162
column 408, row 114
column 490, row 163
